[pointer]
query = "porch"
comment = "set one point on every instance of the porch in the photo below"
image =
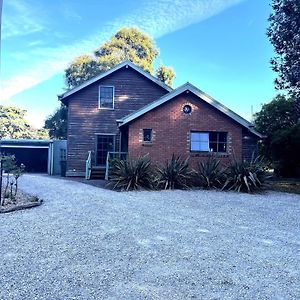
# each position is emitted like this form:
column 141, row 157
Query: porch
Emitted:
column 94, row 171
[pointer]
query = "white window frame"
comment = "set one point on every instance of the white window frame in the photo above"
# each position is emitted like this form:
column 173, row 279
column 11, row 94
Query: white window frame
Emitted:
column 113, row 98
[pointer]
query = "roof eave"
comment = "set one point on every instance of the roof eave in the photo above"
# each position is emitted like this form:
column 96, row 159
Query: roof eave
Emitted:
column 110, row 71
column 189, row 87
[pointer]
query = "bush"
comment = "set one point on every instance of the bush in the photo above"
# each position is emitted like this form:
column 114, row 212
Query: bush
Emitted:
column 14, row 172
column 209, row 174
column 132, row 175
column 285, row 149
column 243, row 176
column 174, row 174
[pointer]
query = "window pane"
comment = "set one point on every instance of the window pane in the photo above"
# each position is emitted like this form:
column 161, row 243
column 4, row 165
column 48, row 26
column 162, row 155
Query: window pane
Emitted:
column 199, row 141
column 199, row 136
column 106, row 91
column 204, row 146
column 195, row 146
column 213, row 147
column 204, row 136
column 213, row 136
column 195, row 136
column 147, row 135
column 222, row 147
column 222, row 137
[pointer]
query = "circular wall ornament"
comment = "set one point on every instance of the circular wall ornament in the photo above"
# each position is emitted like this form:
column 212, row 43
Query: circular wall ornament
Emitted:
column 187, row 109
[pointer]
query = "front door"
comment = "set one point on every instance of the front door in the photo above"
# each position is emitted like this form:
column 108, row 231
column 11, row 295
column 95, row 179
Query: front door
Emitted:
column 105, row 143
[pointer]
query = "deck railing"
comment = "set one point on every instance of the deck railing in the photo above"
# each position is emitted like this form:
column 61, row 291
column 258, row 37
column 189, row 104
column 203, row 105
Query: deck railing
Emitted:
column 88, row 165
column 112, row 155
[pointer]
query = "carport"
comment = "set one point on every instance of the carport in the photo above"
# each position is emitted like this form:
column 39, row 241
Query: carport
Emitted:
column 38, row 156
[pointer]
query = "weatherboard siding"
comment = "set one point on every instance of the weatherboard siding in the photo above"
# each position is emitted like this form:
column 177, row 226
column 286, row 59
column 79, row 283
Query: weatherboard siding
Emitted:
column 85, row 119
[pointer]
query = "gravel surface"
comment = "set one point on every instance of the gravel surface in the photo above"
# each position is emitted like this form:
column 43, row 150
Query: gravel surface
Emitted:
column 90, row 243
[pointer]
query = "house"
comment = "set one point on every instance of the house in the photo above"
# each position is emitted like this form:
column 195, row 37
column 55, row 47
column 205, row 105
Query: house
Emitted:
column 127, row 110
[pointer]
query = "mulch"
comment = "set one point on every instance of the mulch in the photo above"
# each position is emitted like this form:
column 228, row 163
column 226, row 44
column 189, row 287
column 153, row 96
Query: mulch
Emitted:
column 20, row 201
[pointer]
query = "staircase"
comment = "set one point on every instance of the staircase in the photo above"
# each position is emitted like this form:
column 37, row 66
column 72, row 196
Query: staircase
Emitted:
column 101, row 172
column 97, row 172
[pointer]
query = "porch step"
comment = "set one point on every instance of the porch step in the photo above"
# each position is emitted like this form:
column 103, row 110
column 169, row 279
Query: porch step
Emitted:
column 98, row 172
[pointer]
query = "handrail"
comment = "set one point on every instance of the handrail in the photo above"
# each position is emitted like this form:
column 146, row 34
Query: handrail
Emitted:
column 107, row 161
column 88, row 166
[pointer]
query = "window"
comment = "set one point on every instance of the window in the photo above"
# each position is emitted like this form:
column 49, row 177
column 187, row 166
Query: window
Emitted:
column 63, row 154
column 209, row 141
column 147, row 135
column 106, row 97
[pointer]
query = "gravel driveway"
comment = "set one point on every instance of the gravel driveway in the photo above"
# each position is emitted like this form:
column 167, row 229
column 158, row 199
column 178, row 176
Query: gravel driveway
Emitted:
column 89, row 243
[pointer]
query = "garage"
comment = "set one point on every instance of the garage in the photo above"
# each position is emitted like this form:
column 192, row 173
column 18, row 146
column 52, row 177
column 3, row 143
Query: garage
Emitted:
column 38, row 156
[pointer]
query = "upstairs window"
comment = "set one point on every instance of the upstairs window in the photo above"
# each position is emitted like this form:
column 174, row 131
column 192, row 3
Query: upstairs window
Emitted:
column 208, row 142
column 147, row 135
column 106, row 97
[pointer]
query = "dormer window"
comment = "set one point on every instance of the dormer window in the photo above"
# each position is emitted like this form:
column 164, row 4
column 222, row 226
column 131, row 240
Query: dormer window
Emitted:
column 106, row 97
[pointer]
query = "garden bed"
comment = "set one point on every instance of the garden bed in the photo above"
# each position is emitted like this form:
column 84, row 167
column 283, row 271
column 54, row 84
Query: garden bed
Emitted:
column 21, row 201
column 286, row 185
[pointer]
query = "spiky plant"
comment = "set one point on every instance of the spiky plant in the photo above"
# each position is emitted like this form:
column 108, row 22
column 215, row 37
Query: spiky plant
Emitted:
column 209, row 174
column 174, row 174
column 244, row 176
column 132, row 174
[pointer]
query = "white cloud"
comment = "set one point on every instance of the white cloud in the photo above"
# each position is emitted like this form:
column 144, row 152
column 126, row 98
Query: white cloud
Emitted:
column 166, row 16
column 156, row 18
column 19, row 19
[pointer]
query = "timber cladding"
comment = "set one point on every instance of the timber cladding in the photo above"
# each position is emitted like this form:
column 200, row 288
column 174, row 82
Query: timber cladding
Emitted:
column 85, row 119
column 172, row 127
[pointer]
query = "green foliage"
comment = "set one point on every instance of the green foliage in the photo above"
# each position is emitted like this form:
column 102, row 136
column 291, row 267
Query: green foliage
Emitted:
column 283, row 32
column 280, row 113
column 165, row 74
column 13, row 173
column 13, row 124
column 244, row 176
column 8, row 163
column 127, row 44
column 285, row 150
column 174, row 174
column 40, row 134
column 81, row 69
column 132, row 174
column 131, row 44
column 209, row 174
column 57, row 123
column 278, row 120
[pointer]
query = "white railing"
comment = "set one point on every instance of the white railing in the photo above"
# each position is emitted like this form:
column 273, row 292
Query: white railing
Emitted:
column 112, row 155
column 88, row 165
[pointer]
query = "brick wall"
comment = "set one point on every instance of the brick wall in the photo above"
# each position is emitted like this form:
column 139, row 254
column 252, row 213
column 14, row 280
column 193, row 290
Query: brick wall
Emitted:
column 171, row 130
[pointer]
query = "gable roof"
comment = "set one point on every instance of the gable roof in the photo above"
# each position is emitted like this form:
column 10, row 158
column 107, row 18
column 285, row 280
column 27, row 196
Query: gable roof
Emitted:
column 189, row 87
column 125, row 63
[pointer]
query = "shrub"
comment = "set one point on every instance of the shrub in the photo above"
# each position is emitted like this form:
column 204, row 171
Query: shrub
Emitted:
column 131, row 175
column 244, row 176
column 285, row 149
column 174, row 174
column 209, row 173
column 13, row 173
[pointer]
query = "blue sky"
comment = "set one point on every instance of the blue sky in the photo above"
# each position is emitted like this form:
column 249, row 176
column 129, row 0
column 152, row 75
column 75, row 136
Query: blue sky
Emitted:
column 218, row 45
